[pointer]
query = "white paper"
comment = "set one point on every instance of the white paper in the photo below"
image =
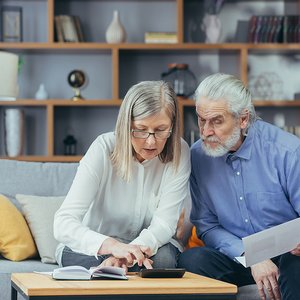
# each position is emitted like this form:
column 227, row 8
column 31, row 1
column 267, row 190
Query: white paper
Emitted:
column 270, row 243
column 43, row 273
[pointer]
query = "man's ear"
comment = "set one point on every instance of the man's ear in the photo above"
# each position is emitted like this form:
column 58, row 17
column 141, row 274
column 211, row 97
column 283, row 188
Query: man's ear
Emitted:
column 244, row 119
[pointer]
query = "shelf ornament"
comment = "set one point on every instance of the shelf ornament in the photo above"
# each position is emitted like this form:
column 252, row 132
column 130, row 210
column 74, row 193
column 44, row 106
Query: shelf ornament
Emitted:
column 76, row 80
column 181, row 78
column 8, row 76
column 14, row 131
column 211, row 23
column 115, row 32
column 41, row 93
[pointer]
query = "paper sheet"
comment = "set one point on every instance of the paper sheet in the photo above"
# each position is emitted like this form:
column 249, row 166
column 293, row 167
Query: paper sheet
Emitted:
column 270, row 243
column 43, row 273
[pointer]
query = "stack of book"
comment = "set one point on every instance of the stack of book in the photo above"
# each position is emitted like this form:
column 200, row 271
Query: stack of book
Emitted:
column 68, row 29
column 274, row 29
column 161, row 38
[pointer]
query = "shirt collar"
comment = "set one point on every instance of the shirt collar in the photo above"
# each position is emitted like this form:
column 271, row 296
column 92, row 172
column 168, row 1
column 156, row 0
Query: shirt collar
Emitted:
column 245, row 149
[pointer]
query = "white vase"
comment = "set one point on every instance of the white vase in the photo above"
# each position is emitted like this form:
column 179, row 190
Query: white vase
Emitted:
column 211, row 24
column 41, row 93
column 14, row 126
column 115, row 32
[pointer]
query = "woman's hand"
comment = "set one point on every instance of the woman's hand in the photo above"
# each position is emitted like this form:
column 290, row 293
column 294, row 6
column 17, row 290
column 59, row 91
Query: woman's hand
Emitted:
column 266, row 276
column 122, row 263
column 115, row 262
column 296, row 251
column 131, row 253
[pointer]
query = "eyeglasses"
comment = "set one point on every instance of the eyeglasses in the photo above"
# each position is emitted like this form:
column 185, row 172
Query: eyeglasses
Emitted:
column 159, row 135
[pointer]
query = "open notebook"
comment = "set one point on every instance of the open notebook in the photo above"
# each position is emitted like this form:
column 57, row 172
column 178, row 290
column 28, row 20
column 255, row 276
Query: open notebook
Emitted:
column 81, row 273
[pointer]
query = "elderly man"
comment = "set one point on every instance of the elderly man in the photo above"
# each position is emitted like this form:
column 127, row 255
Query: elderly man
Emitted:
column 245, row 178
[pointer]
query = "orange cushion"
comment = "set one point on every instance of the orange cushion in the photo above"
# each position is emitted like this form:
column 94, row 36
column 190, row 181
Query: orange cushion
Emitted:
column 194, row 241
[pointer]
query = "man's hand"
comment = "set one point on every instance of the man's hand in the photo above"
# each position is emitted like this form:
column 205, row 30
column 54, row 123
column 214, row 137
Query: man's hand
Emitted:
column 266, row 276
column 131, row 253
column 296, row 251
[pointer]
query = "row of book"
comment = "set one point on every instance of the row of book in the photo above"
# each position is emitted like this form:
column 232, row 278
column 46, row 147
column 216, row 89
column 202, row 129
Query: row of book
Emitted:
column 274, row 29
column 68, row 29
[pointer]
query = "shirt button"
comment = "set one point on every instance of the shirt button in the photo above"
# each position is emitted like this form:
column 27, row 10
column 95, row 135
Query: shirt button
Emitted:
column 241, row 198
column 237, row 173
column 246, row 220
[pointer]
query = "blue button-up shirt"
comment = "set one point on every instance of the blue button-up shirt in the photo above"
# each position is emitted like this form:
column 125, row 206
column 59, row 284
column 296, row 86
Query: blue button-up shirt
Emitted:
column 252, row 189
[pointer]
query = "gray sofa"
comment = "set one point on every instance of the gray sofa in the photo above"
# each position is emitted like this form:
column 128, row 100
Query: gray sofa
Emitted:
column 45, row 179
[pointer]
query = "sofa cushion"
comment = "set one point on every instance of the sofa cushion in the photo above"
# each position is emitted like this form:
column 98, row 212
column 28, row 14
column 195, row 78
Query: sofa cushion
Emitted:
column 16, row 242
column 39, row 212
column 35, row 178
column 194, row 241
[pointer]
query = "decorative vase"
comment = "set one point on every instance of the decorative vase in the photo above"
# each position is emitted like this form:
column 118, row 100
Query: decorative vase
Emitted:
column 14, row 126
column 115, row 32
column 41, row 93
column 211, row 24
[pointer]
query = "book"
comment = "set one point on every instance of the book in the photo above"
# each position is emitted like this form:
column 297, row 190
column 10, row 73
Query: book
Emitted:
column 68, row 29
column 161, row 37
column 58, row 28
column 78, row 28
column 81, row 273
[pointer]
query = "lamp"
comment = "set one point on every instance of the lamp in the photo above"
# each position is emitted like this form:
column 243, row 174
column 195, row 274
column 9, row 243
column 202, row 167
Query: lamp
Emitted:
column 8, row 76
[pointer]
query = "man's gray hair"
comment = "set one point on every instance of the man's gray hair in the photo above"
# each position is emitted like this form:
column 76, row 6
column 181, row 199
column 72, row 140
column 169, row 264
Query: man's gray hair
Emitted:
column 231, row 89
column 143, row 100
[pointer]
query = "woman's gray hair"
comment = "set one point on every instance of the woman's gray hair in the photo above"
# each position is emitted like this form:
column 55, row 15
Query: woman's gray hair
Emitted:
column 231, row 89
column 143, row 100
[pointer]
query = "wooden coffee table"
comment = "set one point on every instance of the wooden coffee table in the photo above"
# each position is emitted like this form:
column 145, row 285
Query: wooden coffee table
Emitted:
column 191, row 287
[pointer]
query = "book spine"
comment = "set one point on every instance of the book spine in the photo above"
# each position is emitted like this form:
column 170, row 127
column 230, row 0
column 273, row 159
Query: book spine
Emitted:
column 78, row 28
column 252, row 28
column 58, row 28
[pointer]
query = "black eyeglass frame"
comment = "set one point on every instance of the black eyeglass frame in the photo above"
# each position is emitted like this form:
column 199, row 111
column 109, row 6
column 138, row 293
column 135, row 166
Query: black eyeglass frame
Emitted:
column 167, row 132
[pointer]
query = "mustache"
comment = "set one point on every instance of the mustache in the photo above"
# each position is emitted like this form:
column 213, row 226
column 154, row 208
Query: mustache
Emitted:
column 214, row 139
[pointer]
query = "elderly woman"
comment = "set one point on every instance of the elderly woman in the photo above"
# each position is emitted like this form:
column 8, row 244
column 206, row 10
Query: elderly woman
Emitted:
column 123, row 206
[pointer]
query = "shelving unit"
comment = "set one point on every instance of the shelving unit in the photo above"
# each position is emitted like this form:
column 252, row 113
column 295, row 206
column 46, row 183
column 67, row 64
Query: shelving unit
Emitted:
column 113, row 68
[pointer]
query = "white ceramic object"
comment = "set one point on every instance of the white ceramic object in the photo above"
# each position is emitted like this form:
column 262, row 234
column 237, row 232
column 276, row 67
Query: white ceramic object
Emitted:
column 41, row 93
column 212, row 26
column 8, row 76
column 115, row 32
column 14, row 125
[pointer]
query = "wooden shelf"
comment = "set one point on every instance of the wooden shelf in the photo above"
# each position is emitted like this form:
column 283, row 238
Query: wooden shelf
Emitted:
column 152, row 46
column 276, row 103
column 48, row 158
column 61, row 102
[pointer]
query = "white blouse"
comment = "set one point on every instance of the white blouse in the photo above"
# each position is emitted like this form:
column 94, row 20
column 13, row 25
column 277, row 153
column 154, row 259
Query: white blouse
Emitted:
column 100, row 204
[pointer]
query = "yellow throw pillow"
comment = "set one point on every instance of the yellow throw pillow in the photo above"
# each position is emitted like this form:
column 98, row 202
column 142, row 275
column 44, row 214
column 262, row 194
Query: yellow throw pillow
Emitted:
column 16, row 242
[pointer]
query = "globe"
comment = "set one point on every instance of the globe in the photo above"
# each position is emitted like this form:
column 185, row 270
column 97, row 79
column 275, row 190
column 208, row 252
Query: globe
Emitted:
column 76, row 79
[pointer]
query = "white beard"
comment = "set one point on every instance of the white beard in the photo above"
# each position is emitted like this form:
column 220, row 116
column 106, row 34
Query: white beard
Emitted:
column 222, row 148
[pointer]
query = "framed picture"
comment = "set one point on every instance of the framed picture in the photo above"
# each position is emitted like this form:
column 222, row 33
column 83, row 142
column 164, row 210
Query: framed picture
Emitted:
column 11, row 24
